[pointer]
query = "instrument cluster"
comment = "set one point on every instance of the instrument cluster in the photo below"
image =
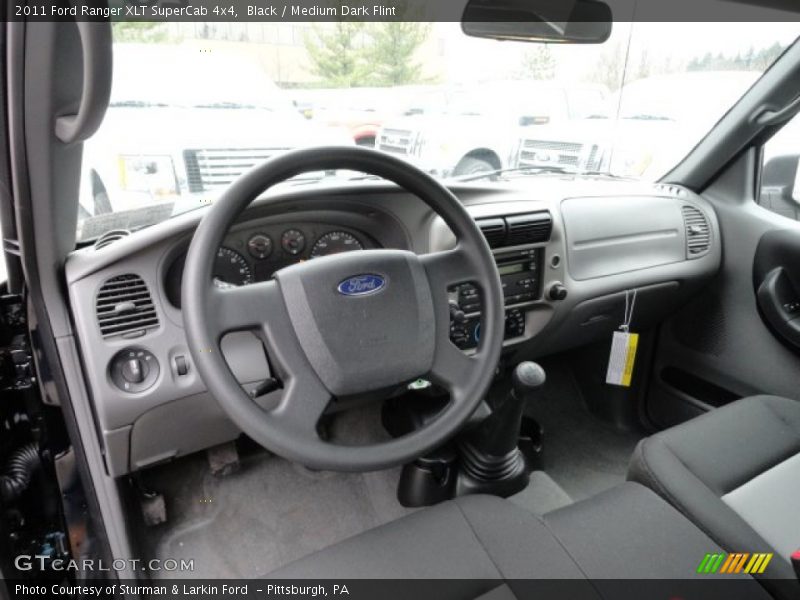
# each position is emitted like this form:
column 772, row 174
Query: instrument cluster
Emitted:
column 255, row 254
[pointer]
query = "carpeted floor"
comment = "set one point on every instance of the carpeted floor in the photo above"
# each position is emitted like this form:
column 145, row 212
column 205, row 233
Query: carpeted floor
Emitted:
column 267, row 514
column 583, row 454
column 272, row 512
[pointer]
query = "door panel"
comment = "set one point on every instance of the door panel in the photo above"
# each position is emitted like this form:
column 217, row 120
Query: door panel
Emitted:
column 776, row 274
column 719, row 346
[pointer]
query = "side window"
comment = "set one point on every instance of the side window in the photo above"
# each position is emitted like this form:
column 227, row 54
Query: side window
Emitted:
column 780, row 175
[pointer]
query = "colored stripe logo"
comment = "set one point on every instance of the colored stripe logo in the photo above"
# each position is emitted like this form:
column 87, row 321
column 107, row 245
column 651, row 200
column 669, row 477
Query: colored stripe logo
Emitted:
column 735, row 562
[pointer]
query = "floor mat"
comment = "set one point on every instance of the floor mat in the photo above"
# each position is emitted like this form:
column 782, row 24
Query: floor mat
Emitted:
column 267, row 514
column 582, row 453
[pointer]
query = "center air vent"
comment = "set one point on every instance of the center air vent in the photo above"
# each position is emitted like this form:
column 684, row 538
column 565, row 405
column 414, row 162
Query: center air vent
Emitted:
column 494, row 230
column 124, row 306
column 698, row 232
column 528, row 229
column 516, row 230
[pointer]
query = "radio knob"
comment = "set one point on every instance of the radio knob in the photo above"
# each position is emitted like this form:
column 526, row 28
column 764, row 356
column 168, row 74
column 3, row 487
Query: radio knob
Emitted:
column 557, row 291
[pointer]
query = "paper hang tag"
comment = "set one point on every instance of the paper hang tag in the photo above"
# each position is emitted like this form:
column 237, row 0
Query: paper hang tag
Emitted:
column 623, row 355
column 623, row 347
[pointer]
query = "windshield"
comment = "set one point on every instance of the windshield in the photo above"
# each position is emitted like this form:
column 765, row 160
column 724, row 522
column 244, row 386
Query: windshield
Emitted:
column 195, row 105
column 183, row 75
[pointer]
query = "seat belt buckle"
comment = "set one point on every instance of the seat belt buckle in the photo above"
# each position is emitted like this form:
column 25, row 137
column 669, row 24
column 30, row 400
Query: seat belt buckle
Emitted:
column 796, row 562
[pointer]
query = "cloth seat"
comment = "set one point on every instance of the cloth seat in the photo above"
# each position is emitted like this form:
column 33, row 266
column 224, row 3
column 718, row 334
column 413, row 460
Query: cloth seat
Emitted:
column 624, row 543
column 735, row 472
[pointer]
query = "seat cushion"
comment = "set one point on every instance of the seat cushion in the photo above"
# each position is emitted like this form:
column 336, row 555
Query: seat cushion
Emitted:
column 735, row 472
column 487, row 547
column 477, row 537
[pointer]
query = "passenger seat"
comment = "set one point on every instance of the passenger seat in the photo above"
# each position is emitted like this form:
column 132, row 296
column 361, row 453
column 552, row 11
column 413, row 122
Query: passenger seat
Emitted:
column 735, row 472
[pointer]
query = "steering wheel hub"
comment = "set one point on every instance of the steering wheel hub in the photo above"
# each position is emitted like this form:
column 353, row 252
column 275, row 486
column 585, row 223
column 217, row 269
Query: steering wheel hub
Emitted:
column 380, row 333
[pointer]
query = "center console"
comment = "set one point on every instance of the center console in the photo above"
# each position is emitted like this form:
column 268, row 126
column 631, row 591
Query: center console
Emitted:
column 520, row 275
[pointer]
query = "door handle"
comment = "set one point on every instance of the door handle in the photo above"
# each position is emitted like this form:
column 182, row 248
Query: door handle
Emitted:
column 779, row 302
column 96, row 45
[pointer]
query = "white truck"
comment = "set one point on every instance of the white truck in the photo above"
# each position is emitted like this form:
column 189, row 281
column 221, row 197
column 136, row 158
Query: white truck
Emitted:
column 476, row 127
column 183, row 123
column 642, row 130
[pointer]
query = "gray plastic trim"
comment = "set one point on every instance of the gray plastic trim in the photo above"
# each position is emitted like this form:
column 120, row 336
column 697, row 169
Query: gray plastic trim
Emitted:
column 617, row 235
column 96, row 45
column 394, row 219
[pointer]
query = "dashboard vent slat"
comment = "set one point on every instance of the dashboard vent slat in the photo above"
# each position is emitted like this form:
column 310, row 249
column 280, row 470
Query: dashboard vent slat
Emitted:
column 124, row 305
column 698, row 232
column 531, row 228
column 516, row 230
column 494, row 230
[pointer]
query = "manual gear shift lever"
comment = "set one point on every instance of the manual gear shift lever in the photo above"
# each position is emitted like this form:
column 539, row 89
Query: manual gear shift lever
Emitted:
column 491, row 459
column 506, row 417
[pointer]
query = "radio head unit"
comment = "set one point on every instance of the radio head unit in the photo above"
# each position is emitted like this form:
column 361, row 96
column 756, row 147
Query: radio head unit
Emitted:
column 520, row 276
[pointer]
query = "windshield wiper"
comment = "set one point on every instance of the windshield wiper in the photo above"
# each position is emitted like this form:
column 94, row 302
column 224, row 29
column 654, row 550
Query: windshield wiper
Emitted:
column 236, row 105
column 496, row 172
column 537, row 170
column 604, row 174
column 647, row 117
column 137, row 104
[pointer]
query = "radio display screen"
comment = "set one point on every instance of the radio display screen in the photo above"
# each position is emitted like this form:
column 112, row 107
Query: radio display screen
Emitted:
column 512, row 268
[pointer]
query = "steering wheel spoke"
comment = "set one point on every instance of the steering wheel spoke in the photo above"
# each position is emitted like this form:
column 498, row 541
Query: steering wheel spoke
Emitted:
column 302, row 404
column 453, row 369
column 447, row 268
column 243, row 308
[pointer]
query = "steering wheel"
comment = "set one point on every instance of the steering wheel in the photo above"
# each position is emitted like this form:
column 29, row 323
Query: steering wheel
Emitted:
column 344, row 324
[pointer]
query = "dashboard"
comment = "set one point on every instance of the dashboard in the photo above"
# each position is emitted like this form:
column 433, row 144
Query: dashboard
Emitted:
column 250, row 254
column 568, row 252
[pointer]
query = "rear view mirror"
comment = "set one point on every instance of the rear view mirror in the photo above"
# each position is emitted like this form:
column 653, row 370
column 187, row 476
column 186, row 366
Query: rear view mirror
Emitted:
column 556, row 21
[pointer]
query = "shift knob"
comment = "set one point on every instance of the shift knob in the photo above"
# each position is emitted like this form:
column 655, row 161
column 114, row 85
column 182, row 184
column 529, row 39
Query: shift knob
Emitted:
column 528, row 376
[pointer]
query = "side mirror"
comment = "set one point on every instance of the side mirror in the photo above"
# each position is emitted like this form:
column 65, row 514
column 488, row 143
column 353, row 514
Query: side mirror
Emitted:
column 558, row 21
column 780, row 179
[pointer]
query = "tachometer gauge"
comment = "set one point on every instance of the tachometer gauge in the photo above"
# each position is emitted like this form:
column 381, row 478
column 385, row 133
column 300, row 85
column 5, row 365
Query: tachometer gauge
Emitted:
column 231, row 268
column 334, row 243
column 293, row 241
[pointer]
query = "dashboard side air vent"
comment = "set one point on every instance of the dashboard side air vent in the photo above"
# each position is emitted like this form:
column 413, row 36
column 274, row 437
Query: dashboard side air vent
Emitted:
column 674, row 191
column 530, row 228
column 110, row 237
column 124, row 306
column 494, row 230
column 698, row 232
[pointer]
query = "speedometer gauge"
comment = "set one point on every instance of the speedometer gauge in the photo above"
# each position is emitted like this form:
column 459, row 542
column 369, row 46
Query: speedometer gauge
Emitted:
column 334, row 243
column 231, row 268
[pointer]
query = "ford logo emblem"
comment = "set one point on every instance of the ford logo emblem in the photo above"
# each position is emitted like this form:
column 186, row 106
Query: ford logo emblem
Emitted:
column 361, row 285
